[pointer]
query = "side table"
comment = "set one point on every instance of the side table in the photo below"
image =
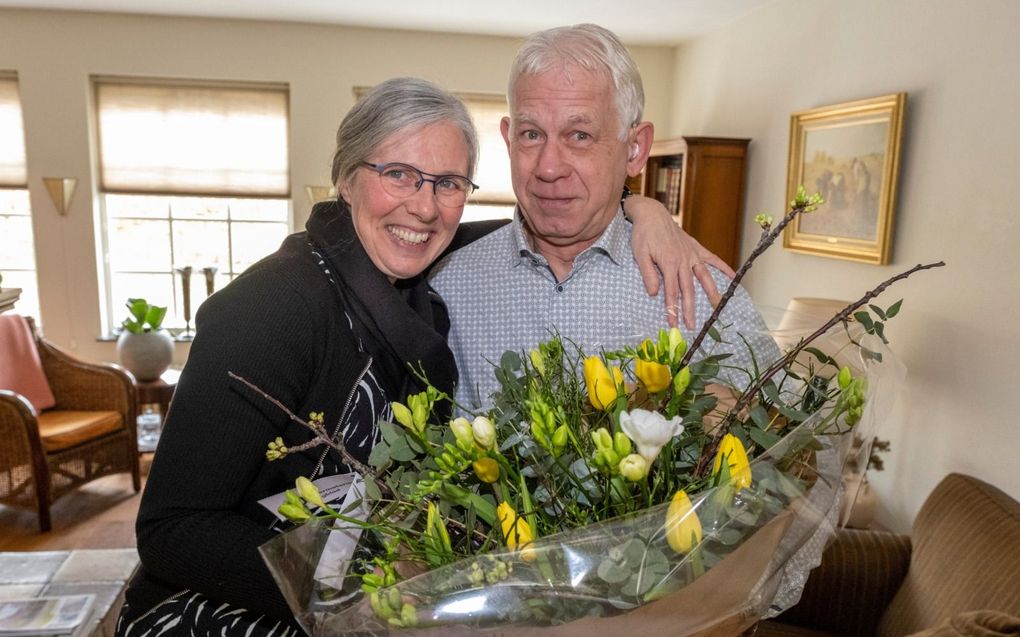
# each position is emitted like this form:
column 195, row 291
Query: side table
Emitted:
column 159, row 391
column 154, row 392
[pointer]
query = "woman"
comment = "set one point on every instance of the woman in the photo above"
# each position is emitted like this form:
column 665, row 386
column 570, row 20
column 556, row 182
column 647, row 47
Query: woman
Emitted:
column 326, row 324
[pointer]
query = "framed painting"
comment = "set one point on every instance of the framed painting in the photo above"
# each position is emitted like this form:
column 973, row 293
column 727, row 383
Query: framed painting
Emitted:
column 850, row 154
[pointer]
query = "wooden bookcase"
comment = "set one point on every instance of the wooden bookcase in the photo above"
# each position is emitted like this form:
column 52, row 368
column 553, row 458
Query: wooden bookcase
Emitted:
column 701, row 181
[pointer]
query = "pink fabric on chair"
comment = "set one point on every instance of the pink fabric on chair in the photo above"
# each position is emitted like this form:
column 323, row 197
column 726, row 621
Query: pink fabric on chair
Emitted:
column 20, row 368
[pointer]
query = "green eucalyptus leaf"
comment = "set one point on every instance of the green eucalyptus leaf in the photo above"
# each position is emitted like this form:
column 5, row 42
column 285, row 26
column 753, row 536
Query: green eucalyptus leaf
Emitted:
column 612, row 572
column 879, row 312
column 401, row 451
column 763, row 438
column 372, row 490
column 380, row 455
column 894, row 309
column 390, row 432
column 864, row 319
column 760, row 416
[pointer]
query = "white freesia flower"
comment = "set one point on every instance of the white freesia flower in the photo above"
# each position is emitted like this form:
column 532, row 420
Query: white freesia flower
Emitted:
column 649, row 430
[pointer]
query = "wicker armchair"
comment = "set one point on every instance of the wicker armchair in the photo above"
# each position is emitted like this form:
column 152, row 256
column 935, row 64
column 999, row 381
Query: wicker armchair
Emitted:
column 88, row 434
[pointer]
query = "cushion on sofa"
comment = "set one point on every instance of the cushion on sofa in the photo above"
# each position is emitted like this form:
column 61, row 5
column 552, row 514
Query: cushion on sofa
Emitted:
column 975, row 623
column 966, row 557
column 20, row 368
column 61, row 430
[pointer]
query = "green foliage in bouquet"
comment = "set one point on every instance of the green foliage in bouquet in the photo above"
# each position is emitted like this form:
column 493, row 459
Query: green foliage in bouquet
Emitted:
column 642, row 428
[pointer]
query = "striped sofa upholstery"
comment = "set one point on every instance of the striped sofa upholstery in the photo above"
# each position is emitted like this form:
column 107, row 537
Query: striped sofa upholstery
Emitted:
column 963, row 556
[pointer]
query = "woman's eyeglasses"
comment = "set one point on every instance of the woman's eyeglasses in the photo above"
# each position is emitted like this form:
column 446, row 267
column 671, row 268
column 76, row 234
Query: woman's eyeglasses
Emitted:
column 403, row 180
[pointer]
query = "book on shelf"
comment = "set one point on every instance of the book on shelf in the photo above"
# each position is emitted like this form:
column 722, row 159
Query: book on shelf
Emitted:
column 59, row 615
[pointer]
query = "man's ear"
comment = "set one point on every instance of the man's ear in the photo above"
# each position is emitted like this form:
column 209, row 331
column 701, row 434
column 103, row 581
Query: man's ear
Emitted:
column 504, row 128
column 639, row 141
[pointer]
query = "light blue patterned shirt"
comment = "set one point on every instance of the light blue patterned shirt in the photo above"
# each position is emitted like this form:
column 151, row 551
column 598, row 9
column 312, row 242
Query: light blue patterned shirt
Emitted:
column 502, row 296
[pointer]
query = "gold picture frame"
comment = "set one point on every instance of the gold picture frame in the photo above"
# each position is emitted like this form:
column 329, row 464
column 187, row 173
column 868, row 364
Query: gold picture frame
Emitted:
column 850, row 153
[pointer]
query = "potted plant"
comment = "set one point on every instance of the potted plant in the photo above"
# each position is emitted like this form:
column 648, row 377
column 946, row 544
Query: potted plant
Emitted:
column 144, row 348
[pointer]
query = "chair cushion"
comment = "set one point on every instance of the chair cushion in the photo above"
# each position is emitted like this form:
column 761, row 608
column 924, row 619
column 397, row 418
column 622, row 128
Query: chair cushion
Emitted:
column 966, row 557
column 61, row 430
column 975, row 623
column 20, row 368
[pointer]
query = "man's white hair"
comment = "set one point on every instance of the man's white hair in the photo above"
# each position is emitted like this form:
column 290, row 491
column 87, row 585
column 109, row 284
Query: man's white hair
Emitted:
column 592, row 48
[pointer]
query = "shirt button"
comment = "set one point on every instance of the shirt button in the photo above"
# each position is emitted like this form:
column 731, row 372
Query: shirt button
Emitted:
column 559, row 288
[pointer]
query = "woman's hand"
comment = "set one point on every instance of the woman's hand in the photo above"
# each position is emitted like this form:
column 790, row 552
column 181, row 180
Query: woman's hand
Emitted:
column 660, row 245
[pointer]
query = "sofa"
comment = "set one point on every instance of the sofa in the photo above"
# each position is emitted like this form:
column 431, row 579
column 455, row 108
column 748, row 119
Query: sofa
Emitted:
column 957, row 573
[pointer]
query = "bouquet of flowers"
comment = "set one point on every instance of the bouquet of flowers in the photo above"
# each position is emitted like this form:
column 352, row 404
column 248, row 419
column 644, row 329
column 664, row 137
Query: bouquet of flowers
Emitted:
column 644, row 492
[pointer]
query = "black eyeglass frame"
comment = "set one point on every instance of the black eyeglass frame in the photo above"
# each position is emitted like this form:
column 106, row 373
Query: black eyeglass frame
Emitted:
column 380, row 168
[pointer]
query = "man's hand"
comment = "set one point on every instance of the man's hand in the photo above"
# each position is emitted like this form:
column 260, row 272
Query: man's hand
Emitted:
column 660, row 245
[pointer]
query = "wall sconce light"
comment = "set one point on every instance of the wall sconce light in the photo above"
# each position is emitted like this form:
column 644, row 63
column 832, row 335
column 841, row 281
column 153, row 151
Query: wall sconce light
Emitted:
column 61, row 190
column 320, row 193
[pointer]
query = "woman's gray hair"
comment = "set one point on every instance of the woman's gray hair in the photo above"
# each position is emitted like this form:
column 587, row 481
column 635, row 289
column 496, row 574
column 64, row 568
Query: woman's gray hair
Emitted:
column 397, row 104
column 592, row 48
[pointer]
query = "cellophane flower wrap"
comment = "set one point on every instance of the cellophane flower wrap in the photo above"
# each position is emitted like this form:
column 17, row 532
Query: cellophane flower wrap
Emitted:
column 632, row 489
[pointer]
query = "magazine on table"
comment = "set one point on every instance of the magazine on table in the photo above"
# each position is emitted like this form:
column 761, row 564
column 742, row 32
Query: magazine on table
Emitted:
column 44, row 615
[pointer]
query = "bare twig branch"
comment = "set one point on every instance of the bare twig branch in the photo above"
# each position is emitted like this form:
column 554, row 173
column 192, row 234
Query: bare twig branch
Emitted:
column 321, row 435
column 768, row 237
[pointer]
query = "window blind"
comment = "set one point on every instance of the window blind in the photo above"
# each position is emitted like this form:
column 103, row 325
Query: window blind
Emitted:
column 12, row 135
column 493, row 173
column 192, row 139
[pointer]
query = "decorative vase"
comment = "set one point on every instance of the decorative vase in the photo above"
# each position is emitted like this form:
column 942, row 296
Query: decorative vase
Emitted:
column 146, row 355
column 859, row 502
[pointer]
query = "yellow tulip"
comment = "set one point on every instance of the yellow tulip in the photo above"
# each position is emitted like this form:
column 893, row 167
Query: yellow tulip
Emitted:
column 683, row 528
column 603, row 386
column 733, row 451
column 654, row 376
column 516, row 531
column 486, row 469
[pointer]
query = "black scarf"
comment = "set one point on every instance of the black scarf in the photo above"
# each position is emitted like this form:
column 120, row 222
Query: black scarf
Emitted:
column 401, row 325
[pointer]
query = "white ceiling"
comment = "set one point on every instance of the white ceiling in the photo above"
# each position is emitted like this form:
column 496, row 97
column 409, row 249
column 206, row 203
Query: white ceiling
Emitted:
column 635, row 21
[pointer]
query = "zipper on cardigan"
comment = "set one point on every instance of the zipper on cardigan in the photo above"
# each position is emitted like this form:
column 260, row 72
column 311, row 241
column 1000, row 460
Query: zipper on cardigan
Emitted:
column 343, row 415
column 152, row 610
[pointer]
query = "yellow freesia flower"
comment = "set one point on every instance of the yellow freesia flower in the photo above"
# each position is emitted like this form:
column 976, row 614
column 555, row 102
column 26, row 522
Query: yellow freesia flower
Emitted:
column 683, row 528
column 516, row 531
column 486, row 469
column 733, row 451
column 603, row 385
column 654, row 376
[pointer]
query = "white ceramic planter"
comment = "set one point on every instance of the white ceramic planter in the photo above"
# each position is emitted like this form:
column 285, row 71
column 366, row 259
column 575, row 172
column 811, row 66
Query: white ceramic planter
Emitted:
column 146, row 355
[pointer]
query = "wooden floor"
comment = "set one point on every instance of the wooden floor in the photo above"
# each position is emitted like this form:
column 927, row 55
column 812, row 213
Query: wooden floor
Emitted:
column 100, row 515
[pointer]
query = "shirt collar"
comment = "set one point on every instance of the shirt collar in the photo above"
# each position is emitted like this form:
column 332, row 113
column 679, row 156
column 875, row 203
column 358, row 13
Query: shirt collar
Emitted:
column 614, row 242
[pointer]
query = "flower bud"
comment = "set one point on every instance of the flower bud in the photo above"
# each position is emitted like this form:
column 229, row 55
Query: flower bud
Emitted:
column 634, row 467
column 602, row 383
column 732, row 450
column 682, row 380
column 677, row 345
column 844, row 378
column 683, row 528
column 293, row 512
column 462, row 433
column 420, row 411
column 537, row 361
column 602, row 438
column 559, row 440
column 621, row 444
column 484, row 433
column 309, row 492
column 403, row 415
column 486, row 469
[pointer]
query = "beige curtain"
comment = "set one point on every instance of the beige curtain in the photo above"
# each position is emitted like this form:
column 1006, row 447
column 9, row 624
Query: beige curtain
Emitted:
column 12, row 135
column 193, row 139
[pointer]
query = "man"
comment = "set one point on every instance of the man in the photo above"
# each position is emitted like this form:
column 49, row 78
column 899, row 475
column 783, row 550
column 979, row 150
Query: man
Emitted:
column 565, row 264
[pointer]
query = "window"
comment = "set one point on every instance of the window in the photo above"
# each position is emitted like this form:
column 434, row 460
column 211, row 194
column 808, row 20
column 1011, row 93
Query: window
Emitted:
column 192, row 176
column 17, row 252
column 494, row 198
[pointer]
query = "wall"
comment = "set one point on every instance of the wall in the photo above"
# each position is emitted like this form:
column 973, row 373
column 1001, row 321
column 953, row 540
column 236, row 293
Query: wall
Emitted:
column 54, row 53
column 958, row 61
